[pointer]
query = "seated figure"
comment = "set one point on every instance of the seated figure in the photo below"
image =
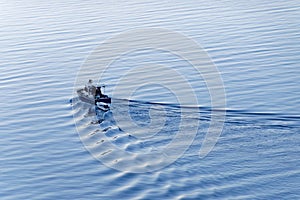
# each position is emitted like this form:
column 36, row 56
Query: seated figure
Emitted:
column 89, row 87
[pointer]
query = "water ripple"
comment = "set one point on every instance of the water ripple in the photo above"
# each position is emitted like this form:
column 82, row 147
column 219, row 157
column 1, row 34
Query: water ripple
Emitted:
column 255, row 45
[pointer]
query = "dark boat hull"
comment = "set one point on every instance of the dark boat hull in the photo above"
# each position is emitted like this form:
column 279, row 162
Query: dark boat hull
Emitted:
column 104, row 100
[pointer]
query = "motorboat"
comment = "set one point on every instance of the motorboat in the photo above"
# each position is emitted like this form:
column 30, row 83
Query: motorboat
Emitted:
column 93, row 95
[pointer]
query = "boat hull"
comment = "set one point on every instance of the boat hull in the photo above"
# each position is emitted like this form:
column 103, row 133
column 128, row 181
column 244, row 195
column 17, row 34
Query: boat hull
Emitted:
column 90, row 99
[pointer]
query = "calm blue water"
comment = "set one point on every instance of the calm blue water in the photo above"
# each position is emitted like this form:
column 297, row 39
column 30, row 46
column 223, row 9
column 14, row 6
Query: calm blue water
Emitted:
column 254, row 44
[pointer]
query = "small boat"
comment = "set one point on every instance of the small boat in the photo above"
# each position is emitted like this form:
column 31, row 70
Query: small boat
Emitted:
column 93, row 95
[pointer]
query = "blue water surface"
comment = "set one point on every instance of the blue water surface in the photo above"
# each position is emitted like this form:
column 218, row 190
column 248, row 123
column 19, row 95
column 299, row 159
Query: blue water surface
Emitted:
column 254, row 44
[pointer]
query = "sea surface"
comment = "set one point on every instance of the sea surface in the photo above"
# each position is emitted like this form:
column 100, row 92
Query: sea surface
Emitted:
column 54, row 146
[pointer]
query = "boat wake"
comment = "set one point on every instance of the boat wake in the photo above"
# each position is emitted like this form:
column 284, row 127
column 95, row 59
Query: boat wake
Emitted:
column 131, row 134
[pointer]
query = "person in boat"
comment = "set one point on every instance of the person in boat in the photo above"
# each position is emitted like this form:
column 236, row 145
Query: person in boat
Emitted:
column 99, row 93
column 90, row 88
